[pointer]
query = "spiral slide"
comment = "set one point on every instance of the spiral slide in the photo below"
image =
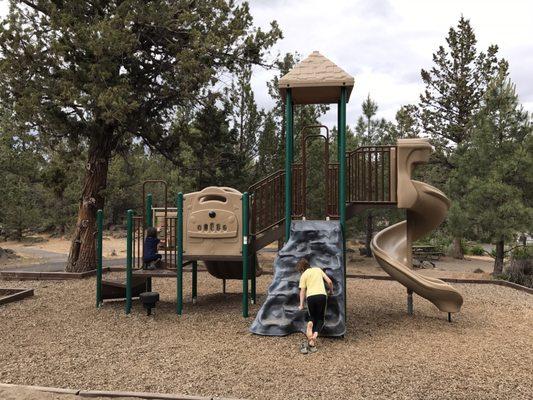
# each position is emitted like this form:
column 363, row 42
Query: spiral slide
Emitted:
column 426, row 209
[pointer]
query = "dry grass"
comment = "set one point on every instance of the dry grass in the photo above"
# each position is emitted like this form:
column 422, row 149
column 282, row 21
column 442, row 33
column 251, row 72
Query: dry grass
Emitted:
column 58, row 338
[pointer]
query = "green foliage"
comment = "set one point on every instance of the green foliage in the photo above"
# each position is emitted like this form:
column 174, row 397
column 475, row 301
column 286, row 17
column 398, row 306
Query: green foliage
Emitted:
column 492, row 172
column 517, row 277
column 455, row 85
column 522, row 253
column 372, row 130
column 21, row 196
column 476, row 250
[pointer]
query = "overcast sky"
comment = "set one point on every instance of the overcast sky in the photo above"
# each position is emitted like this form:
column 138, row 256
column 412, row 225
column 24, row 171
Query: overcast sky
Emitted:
column 385, row 43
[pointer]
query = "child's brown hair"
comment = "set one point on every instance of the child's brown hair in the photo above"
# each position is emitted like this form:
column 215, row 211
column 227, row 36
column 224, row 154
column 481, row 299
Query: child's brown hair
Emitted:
column 302, row 265
column 151, row 232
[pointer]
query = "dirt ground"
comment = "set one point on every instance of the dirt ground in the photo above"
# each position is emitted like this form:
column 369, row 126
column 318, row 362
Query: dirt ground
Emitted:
column 57, row 249
column 58, row 338
column 446, row 267
column 47, row 248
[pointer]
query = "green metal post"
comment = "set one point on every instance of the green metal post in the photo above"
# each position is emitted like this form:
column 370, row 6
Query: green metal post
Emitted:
column 149, row 223
column 179, row 253
column 245, row 257
column 129, row 260
column 342, row 180
column 99, row 228
column 148, row 211
column 253, row 277
column 288, row 163
column 194, row 281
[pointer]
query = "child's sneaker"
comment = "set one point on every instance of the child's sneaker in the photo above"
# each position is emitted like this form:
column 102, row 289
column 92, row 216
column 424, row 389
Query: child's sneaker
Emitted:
column 303, row 348
column 150, row 266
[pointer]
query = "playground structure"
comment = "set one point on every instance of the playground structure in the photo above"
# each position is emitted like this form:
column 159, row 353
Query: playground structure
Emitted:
column 225, row 228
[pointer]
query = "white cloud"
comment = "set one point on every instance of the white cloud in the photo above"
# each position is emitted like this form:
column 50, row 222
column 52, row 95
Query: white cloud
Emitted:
column 384, row 44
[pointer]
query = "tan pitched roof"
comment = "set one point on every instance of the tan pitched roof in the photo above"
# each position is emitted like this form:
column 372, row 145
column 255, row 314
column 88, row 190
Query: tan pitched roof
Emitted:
column 316, row 80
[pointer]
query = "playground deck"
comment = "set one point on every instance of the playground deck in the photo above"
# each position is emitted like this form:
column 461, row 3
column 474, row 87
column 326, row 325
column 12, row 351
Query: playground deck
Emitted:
column 58, row 338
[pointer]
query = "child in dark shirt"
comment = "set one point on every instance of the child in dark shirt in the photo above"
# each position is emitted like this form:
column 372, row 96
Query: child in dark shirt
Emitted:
column 151, row 258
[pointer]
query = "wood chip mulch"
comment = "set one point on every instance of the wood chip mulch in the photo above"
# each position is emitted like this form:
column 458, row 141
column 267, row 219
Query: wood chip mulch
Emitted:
column 58, row 338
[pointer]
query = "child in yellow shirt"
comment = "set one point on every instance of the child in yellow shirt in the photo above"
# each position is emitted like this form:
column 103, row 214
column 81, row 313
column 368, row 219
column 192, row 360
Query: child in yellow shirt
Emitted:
column 313, row 289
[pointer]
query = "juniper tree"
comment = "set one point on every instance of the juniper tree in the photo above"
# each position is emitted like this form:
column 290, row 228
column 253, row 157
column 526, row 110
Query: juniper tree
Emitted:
column 455, row 86
column 106, row 72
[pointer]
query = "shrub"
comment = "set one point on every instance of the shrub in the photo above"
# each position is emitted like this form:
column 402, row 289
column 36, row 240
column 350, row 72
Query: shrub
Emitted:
column 476, row 250
column 523, row 253
column 520, row 269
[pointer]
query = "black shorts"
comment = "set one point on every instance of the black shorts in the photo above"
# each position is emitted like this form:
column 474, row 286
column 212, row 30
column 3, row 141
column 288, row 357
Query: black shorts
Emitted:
column 316, row 307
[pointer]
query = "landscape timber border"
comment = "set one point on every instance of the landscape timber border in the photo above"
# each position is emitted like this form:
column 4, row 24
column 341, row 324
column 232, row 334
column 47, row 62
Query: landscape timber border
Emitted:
column 18, row 294
column 112, row 394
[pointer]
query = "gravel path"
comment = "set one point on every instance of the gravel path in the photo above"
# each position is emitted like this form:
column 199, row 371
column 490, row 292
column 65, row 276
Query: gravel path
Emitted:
column 58, row 338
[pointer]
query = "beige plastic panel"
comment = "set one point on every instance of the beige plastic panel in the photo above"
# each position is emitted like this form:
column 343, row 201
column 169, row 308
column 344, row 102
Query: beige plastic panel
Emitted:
column 212, row 222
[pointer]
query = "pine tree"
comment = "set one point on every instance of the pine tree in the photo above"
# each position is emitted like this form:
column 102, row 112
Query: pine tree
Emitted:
column 108, row 72
column 407, row 124
column 495, row 170
column 455, row 86
column 247, row 120
column 269, row 147
column 304, row 115
column 21, row 196
column 372, row 131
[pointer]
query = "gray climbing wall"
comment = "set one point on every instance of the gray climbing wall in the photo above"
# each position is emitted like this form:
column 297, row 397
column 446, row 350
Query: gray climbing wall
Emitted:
column 321, row 243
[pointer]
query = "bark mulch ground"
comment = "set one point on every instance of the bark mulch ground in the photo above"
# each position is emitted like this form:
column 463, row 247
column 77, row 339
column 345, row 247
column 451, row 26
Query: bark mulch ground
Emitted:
column 58, row 338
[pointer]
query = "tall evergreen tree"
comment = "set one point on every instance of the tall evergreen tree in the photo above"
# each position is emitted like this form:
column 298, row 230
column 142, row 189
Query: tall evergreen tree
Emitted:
column 247, row 119
column 269, row 147
column 407, row 124
column 209, row 147
column 495, row 170
column 109, row 71
column 372, row 131
column 455, row 86
column 304, row 115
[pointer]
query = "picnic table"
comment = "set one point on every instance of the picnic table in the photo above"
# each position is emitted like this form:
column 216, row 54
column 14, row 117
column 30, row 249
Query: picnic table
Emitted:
column 427, row 253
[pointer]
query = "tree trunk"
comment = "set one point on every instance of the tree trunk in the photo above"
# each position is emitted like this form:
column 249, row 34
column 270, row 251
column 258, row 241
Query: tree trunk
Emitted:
column 457, row 249
column 369, row 234
column 82, row 255
column 498, row 261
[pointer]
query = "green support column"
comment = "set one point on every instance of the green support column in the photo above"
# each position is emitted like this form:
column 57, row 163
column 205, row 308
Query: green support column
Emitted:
column 148, row 218
column 179, row 254
column 342, row 179
column 99, row 229
column 245, row 256
column 253, row 277
column 194, row 290
column 288, row 163
column 129, row 260
column 148, row 212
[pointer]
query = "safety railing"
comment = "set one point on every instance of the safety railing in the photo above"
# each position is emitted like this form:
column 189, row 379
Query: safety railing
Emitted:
column 268, row 200
column 371, row 174
column 137, row 242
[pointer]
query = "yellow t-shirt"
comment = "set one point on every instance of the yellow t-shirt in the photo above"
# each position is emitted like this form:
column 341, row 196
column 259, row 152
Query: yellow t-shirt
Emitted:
column 313, row 281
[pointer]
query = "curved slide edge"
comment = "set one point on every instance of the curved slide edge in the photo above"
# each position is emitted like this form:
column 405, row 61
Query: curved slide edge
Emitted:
column 426, row 209
column 441, row 294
